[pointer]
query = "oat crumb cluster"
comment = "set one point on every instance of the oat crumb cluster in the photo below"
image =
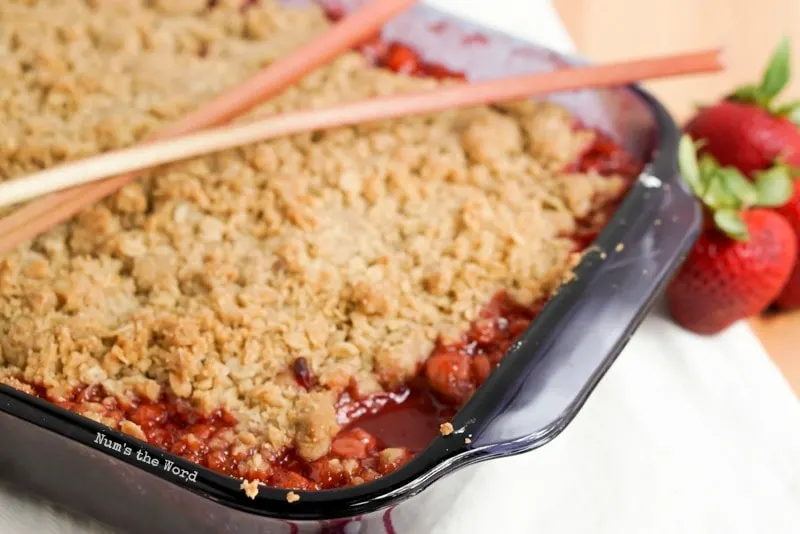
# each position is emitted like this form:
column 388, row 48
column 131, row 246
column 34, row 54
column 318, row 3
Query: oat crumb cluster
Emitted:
column 354, row 249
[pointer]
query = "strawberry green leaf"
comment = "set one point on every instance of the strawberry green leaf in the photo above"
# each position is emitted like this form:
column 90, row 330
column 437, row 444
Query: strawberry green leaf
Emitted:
column 791, row 170
column 789, row 111
column 717, row 194
column 776, row 76
column 718, row 187
column 687, row 163
column 774, row 187
column 794, row 115
column 748, row 93
column 773, row 81
column 731, row 223
column 708, row 165
column 786, row 110
column 743, row 190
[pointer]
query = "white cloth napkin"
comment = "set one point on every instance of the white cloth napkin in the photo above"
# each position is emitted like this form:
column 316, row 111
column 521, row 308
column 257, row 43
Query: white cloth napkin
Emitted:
column 684, row 435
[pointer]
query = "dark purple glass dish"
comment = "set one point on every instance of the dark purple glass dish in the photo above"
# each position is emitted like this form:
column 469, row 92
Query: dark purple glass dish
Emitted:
column 536, row 391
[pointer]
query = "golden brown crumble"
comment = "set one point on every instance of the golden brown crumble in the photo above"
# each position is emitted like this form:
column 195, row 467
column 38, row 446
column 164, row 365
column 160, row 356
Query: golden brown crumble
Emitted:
column 292, row 497
column 446, row 429
column 132, row 429
column 353, row 248
column 250, row 488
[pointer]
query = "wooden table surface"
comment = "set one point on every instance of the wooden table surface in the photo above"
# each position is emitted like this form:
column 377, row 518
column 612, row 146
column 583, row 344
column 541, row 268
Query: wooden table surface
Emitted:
column 748, row 31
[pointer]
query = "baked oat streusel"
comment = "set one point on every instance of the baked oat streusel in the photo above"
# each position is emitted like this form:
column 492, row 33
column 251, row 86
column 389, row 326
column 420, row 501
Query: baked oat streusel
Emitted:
column 351, row 250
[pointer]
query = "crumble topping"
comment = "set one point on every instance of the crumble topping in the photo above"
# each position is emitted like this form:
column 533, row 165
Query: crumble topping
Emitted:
column 446, row 429
column 250, row 488
column 353, row 249
column 292, row 497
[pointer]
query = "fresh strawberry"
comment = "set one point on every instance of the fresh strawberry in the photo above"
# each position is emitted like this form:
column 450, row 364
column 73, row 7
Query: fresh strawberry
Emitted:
column 790, row 296
column 744, row 254
column 749, row 130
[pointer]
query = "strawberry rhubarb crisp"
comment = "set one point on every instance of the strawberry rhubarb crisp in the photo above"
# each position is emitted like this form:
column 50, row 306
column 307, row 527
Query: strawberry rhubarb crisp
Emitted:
column 260, row 311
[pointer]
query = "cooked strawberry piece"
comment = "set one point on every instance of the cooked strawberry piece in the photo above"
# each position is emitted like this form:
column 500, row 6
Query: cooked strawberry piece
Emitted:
column 355, row 443
column 283, row 478
column 449, row 374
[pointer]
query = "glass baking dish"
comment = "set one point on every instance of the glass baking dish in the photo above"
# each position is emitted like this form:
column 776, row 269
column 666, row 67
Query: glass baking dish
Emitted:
column 536, row 391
